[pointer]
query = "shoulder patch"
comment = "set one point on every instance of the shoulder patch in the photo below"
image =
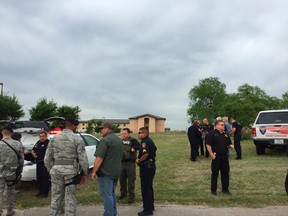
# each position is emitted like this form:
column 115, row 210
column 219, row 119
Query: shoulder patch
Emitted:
column 143, row 145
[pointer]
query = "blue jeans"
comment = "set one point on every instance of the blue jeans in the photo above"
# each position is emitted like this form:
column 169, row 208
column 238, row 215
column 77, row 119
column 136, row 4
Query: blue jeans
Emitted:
column 107, row 191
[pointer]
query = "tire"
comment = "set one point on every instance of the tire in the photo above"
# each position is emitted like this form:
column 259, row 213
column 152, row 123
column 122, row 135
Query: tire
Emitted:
column 260, row 150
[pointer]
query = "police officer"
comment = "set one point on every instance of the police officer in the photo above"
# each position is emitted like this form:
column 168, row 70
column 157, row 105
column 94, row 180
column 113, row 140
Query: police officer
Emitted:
column 195, row 138
column 206, row 128
column 9, row 162
column 43, row 178
column 146, row 161
column 64, row 158
column 128, row 170
column 217, row 143
column 236, row 131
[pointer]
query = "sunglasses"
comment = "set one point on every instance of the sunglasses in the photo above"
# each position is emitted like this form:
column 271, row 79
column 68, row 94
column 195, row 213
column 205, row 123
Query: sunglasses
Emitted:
column 140, row 132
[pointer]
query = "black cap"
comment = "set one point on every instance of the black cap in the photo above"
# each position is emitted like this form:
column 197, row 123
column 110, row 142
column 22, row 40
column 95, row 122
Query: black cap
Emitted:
column 8, row 128
column 16, row 136
column 106, row 125
column 73, row 121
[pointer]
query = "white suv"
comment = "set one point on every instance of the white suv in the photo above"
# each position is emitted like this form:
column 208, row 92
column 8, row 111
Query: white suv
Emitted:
column 270, row 130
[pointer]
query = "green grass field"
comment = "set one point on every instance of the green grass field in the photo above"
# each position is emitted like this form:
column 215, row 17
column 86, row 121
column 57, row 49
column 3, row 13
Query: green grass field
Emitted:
column 255, row 181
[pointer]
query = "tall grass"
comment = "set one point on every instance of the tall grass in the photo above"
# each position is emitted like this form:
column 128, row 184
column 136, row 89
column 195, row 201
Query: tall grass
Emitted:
column 255, row 181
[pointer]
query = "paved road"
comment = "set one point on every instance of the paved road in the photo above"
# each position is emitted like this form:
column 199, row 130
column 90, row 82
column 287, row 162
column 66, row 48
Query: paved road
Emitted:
column 167, row 210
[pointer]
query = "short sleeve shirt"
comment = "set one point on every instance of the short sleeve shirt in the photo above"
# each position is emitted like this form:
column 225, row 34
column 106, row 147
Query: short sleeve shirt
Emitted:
column 218, row 141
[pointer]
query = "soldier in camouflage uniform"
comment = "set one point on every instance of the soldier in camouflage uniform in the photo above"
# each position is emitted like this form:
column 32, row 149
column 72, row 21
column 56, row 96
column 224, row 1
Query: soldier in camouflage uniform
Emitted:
column 8, row 164
column 128, row 170
column 64, row 157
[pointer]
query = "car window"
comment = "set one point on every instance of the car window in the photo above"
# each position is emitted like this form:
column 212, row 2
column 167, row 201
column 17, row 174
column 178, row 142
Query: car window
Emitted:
column 273, row 118
column 89, row 140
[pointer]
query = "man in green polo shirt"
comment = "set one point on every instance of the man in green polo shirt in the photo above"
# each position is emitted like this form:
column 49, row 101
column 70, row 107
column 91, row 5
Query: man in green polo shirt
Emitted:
column 107, row 167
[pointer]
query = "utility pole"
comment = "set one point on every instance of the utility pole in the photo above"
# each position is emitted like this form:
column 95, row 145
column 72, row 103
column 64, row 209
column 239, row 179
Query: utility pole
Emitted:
column 1, row 89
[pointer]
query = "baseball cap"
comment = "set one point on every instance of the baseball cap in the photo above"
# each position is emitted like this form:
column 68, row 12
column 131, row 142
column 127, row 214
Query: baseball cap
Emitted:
column 106, row 125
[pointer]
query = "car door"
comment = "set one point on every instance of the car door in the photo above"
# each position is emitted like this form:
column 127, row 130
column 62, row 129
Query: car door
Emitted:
column 90, row 146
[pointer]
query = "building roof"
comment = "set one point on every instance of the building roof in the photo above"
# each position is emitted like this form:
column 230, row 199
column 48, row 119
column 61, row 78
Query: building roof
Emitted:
column 148, row 114
column 112, row 121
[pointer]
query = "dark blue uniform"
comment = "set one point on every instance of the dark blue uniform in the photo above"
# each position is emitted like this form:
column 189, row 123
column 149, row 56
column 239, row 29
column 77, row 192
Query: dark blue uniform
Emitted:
column 219, row 143
column 195, row 138
column 237, row 139
column 43, row 177
column 147, row 172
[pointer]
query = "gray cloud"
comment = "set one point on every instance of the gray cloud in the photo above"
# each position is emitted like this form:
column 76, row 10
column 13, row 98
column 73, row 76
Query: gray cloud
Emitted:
column 120, row 59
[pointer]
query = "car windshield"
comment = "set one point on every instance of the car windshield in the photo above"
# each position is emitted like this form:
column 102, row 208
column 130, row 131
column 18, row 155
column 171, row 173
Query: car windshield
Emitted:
column 273, row 118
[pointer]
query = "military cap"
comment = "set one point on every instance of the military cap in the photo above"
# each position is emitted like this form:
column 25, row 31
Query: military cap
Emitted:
column 73, row 121
column 8, row 128
column 106, row 125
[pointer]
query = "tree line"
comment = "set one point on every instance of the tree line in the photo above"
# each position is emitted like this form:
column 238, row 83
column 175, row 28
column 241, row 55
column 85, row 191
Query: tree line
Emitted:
column 209, row 99
column 12, row 110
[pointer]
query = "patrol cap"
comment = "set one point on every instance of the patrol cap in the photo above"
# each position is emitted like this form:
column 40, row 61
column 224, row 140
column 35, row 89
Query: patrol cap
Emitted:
column 106, row 125
column 8, row 128
column 73, row 121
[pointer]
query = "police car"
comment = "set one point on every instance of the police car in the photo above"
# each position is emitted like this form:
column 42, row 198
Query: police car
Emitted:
column 270, row 130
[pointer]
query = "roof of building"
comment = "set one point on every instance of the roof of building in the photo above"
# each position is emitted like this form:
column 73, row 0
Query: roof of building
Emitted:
column 112, row 121
column 148, row 114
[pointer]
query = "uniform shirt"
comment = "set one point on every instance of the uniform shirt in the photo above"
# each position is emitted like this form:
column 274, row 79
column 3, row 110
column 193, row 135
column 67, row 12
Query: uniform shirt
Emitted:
column 147, row 147
column 127, row 147
column 40, row 149
column 207, row 128
column 238, row 127
column 194, row 135
column 218, row 141
column 8, row 157
column 110, row 150
column 66, row 145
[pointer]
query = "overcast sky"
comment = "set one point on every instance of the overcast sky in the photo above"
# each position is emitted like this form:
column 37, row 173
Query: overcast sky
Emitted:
column 118, row 59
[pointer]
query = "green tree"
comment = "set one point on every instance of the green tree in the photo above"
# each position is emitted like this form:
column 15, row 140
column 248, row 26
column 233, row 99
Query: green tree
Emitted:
column 206, row 99
column 90, row 126
column 284, row 102
column 43, row 109
column 11, row 109
column 97, row 128
column 247, row 102
column 68, row 111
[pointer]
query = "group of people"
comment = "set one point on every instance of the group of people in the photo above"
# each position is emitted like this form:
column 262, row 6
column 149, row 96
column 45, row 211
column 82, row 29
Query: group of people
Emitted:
column 116, row 158
column 62, row 163
column 217, row 142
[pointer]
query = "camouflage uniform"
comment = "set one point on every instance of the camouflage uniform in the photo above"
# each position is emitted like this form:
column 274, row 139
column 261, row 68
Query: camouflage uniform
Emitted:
column 8, row 165
column 64, row 157
column 128, row 170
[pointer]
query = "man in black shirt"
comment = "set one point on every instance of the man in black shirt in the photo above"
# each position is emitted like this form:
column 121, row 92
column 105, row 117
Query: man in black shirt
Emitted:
column 43, row 177
column 195, row 138
column 146, row 161
column 217, row 143
column 206, row 128
column 236, row 131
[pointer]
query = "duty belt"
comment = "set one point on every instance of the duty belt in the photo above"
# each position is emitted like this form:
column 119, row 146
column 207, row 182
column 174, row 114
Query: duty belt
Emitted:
column 64, row 162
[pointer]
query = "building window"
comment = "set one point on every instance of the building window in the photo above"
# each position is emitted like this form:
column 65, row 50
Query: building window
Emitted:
column 146, row 123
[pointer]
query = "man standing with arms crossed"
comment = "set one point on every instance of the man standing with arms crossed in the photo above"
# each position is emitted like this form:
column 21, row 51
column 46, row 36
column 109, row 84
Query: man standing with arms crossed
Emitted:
column 64, row 158
column 107, row 166
column 128, row 170
column 217, row 143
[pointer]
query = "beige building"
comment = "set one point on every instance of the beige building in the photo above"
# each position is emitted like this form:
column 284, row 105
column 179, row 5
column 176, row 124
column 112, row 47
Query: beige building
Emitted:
column 153, row 122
